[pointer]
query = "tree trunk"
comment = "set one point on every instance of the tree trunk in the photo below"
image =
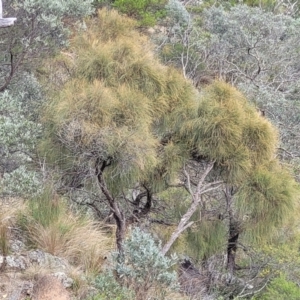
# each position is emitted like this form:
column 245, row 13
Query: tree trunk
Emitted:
column 232, row 246
column 120, row 232
column 117, row 213
column 234, row 231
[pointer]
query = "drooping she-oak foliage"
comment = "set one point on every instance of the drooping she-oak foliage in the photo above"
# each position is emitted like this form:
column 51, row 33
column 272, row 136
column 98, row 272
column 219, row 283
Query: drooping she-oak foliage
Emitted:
column 253, row 48
column 111, row 117
column 123, row 128
column 247, row 189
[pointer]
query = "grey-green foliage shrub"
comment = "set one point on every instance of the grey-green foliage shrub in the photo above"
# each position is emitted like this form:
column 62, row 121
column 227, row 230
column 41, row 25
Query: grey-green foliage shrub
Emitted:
column 50, row 13
column 110, row 288
column 183, row 46
column 19, row 131
column 39, row 30
column 276, row 6
column 47, row 16
column 142, row 266
column 178, row 13
column 16, row 132
column 21, row 182
column 28, row 92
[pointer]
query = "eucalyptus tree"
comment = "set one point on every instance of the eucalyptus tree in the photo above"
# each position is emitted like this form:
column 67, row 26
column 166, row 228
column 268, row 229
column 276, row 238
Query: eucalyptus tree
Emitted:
column 256, row 46
column 182, row 46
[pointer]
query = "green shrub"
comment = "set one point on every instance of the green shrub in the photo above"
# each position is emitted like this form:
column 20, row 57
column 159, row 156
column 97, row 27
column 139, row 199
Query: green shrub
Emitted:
column 101, row 3
column 280, row 289
column 146, row 11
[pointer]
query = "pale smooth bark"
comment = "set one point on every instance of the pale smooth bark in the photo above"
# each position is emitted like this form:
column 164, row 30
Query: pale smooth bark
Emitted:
column 196, row 199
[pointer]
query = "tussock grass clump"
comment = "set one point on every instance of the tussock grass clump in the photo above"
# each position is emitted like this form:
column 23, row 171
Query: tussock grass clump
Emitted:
column 4, row 231
column 8, row 213
column 51, row 227
column 9, row 209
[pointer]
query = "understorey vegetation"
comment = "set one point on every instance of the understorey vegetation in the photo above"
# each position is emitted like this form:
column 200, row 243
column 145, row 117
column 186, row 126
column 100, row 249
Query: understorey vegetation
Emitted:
column 154, row 144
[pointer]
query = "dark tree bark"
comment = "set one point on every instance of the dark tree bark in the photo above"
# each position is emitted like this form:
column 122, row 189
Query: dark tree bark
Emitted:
column 232, row 245
column 234, row 231
column 113, row 204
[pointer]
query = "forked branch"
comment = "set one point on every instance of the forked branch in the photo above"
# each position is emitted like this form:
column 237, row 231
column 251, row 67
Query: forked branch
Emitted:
column 196, row 199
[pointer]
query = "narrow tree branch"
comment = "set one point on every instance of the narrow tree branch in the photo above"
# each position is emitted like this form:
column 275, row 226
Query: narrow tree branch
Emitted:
column 183, row 224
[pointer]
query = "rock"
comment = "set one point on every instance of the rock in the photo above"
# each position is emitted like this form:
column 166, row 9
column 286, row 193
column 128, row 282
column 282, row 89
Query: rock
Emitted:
column 151, row 30
column 49, row 288
column 14, row 262
column 27, row 288
column 36, row 256
column 45, row 259
column 64, row 279
column 17, row 246
column 22, row 289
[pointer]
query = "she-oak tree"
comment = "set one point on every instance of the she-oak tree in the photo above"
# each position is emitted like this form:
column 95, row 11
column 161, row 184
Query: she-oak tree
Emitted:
column 125, row 127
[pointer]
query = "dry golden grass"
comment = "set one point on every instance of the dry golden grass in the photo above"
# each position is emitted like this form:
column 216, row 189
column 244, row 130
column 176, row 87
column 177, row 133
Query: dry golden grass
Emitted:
column 88, row 245
column 81, row 242
column 35, row 270
column 158, row 293
column 80, row 286
column 51, row 227
column 9, row 209
column 176, row 296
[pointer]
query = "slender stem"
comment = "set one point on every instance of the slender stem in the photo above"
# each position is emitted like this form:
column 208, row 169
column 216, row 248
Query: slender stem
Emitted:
column 184, row 221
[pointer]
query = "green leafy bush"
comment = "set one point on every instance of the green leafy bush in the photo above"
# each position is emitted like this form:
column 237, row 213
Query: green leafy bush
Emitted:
column 146, row 11
column 280, row 289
